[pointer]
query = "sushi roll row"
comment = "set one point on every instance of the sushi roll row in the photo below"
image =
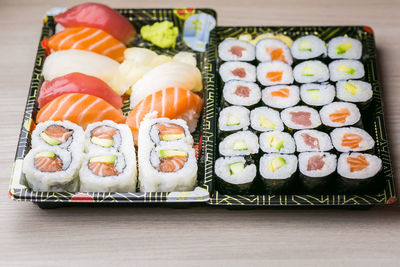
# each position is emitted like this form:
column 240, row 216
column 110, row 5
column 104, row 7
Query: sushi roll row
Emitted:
column 167, row 161
column 65, row 158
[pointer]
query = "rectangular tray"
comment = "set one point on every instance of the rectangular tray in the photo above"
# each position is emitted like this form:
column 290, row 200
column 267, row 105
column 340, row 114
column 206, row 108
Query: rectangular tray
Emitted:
column 206, row 63
column 375, row 126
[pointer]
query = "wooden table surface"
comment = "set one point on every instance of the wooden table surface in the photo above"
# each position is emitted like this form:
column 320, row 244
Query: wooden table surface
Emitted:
column 198, row 236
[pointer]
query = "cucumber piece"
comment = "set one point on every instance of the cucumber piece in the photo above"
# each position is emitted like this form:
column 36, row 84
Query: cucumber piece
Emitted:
column 351, row 88
column 347, row 69
column 104, row 159
column 232, row 120
column 49, row 140
column 305, row 46
column 170, row 137
column 240, row 145
column 45, row 154
column 308, row 71
column 102, row 142
column 236, row 167
column 314, row 93
column 276, row 163
column 343, row 48
column 172, row 153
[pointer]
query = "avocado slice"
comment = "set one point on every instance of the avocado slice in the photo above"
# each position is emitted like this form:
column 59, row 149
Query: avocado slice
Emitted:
column 50, row 140
column 314, row 93
column 45, row 154
column 172, row 153
column 276, row 163
column 308, row 71
column 236, row 167
column 275, row 142
column 305, row 46
column 341, row 49
column 102, row 142
column 232, row 120
column 240, row 145
column 347, row 69
column 170, row 137
column 104, row 159
column 351, row 88
column 266, row 123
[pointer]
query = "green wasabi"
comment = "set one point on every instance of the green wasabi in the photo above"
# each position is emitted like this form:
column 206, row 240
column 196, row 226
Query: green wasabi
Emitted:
column 162, row 34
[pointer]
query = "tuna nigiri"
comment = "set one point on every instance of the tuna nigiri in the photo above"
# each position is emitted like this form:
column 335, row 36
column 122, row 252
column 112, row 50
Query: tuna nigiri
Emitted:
column 67, row 61
column 98, row 16
column 172, row 102
column 78, row 83
column 89, row 39
column 81, row 109
column 170, row 74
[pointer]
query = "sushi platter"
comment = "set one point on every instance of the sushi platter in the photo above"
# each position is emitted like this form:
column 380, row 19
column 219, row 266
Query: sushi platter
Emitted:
column 162, row 106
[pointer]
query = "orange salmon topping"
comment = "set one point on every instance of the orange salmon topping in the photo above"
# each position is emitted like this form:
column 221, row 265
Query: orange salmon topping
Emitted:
column 103, row 169
column 58, row 132
column 275, row 76
column 358, row 163
column 340, row 115
column 284, row 92
column 169, row 129
column 45, row 164
column 171, row 164
column 351, row 140
column 276, row 54
column 104, row 132
column 237, row 50
column 239, row 72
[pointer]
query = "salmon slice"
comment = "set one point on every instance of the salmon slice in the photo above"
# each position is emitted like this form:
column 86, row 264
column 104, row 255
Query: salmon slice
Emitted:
column 340, row 115
column 103, row 132
column 283, row 92
column 351, row 140
column 310, row 141
column 171, row 164
column 58, row 132
column 172, row 103
column 80, row 109
column 315, row 163
column 90, row 39
column 103, row 169
column 45, row 164
column 358, row 163
column 275, row 76
column 276, row 54
column 239, row 72
column 165, row 129
column 237, row 50
column 242, row 91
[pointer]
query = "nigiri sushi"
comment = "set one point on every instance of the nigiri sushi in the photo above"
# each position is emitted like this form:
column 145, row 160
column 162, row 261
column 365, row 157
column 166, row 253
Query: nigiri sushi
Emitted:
column 98, row 16
column 172, row 102
column 81, row 109
column 67, row 61
column 90, row 39
column 170, row 74
column 78, row 83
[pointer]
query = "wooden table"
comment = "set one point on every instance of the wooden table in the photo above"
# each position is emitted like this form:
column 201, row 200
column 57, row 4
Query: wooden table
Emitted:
column 198, row 236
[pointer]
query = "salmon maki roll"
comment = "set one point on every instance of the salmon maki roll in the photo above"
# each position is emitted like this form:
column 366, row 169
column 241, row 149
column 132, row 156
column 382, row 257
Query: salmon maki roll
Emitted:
column 89, row 39
column 272, row 49
column 338, row 114
column 347, row 139
column 172, row 103
column 80, row 109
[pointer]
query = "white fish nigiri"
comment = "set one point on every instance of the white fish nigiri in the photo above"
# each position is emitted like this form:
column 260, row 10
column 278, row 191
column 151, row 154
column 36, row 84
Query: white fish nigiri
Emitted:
column 170, row 74
column 67, row 61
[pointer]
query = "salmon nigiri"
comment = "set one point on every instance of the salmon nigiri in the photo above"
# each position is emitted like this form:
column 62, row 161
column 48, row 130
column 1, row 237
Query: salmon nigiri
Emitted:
column 78, row 83
column 98, row 16
column 172, row 102
column 81, row 109
column 89, row 39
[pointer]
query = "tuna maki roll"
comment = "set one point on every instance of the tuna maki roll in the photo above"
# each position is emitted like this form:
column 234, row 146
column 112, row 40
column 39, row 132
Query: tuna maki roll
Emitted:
column 241, row 93
column 308, row 47
column 235, row 70
column 312, row 140
column 236, row 50
column 300, row 117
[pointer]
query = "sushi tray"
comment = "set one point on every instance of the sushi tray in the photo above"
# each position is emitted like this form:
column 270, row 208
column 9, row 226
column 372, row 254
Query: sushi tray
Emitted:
column 163, row 107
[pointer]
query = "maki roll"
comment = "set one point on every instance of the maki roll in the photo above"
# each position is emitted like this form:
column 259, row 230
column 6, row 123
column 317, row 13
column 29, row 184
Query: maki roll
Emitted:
column 354, row 91
column 168, row 167
column 236, row 70
column 104, row 171
column 311, row 71
column 235, row 176
column 52, row 169
column 357, row 171
column 234, row 118
column 308, row 47
column 344, row 47
column 316, row 170
column 277, row 171
column 315, row 94
column 236, row 50
column 281, row 96
column 241, row 143
column 346, row 69
column 241, row 93
column 351, row 139
column 312, row 140
column 274, row 72
column 300, row 117
column 61, row 134
column 269, row 49
column 277, row 142
column 338, row 114
column 265, row 119
column 109, row 136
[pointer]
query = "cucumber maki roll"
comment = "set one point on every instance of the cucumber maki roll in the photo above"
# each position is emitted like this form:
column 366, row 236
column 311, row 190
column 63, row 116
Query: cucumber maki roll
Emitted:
column 344, row 47
column 233, row 118
column 354, row 91
column 277, row 142
column 274, row 72
column 235, row 175
column 308, row 47
column 242, row 143
column 236, row 70
column 241, row 93
column 311, row 71
column 236, row 50
column 281, row 96
column 277, row 171
column 346, row 69
column 316, row 95
column 351, row 139
column 269, row 49
column 339, row 114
